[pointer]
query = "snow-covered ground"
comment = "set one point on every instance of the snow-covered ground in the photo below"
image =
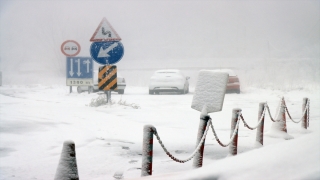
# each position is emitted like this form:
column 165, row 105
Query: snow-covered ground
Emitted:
column 35, row 120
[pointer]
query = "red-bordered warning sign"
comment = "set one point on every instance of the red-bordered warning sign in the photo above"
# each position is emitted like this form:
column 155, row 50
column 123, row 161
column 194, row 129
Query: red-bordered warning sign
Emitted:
column 70, row 48
column 105, row 32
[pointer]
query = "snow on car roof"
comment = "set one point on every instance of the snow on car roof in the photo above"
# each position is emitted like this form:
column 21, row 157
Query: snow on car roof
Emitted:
column 229, row 71
column 168, row 71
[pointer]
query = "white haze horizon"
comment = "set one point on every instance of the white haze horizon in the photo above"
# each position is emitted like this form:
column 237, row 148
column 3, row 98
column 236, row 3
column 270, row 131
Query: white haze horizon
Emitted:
column 270, row 44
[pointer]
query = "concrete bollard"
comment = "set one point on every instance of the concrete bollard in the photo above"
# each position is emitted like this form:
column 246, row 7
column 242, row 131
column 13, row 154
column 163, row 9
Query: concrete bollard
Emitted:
column 147, row 150
column 67, row 167
column 233, row 147
column 198, row 158
column 259, row 136
column 305, row 120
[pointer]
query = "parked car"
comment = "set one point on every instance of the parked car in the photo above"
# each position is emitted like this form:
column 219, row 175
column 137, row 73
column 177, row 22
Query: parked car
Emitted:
column 233, row 85
column 168, row 80
column 121, row 84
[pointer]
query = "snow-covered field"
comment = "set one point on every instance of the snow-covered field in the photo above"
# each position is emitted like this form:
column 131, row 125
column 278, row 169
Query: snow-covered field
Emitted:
column 37, row 119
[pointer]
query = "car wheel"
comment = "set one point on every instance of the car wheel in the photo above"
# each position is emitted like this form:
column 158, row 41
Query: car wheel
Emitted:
column 151, row 92
column 157, row 92
column 121, row 91
column 79, row 89
column 238, row 91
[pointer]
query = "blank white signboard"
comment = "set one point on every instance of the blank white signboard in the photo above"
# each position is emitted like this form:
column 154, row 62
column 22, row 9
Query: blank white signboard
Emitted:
column 210, row 90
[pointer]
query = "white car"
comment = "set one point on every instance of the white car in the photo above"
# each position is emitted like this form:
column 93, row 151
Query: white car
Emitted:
column 121, row 83
column 169, row 80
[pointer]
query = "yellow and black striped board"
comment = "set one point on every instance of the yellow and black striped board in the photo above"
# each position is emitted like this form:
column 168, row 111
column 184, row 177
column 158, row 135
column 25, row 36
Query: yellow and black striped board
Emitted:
column 107, row 77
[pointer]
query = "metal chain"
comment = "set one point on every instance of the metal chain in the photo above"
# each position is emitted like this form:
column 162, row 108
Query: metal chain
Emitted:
column 270, row 113
column 305, row 110
column 195, row 151
column 253, row 128
column 233, row 135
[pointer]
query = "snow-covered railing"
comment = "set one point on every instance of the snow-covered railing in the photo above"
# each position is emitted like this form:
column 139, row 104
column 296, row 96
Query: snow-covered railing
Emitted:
column 206, row 122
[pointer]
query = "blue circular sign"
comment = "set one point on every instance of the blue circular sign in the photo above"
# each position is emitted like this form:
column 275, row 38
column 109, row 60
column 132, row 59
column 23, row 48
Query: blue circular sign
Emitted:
column 109, row 52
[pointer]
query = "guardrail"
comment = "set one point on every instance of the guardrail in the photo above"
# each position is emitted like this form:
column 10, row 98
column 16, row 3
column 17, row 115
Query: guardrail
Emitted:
column 149, row 131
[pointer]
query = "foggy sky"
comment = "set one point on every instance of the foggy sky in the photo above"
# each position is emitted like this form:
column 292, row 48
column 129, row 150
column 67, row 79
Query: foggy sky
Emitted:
column 159, row 33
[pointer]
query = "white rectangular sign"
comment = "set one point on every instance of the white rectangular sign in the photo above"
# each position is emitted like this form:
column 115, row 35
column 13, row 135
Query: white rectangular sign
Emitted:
column 210, row 90
column 79, row 82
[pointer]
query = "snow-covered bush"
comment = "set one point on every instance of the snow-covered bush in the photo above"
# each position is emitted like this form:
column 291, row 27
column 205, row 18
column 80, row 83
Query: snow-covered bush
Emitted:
column 102, row 100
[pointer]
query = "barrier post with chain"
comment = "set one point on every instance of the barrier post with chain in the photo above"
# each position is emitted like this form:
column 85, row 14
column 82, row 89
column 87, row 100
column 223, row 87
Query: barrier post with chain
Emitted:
column 282, row 116
column 305, row 121
column 147, row 150
column 259, row 136
column 198, row 158
column 233, row 147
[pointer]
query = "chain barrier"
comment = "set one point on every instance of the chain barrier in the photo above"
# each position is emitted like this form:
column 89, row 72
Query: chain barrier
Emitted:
column 240, row 117
column 304, row 112
column 192, row 155
column 270, row 113
column 233, row 135
column 253, row 128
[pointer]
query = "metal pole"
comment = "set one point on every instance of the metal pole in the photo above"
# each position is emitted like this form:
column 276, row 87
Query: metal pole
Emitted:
column 198, row 158
column 70, row 89
column 147, row 150
column 259, row 136
column 233, row 147
column 305, row 122
column 109, row 96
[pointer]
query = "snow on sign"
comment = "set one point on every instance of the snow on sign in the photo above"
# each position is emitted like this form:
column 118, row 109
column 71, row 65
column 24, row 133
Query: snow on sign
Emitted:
column 79, row 71
column 105, row 32
column 210, row 90
column 70, row 48
column 106, row 53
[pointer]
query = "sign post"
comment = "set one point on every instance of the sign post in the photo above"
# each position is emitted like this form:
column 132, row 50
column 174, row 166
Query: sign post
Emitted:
column 209, row 96
column 106, row 49
column 70, row 48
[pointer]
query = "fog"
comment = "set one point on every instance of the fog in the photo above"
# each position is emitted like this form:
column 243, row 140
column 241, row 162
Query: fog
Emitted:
column 270, row 44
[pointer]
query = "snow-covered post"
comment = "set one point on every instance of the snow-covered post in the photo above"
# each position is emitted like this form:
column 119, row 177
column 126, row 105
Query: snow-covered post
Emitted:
column 198, row 158
column 279, row 127
column 259, row 136
column 147, row 150
column 305, row 121
column 67, row 168
column 282, row 116
column 233, row 147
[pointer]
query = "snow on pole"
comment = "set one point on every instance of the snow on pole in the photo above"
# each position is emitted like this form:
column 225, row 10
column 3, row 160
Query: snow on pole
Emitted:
column 279, row 127
column 67, row 167
column 198, row 158
column 147, row 150
column 233, row 147
column 305, row 121
column 259, row 136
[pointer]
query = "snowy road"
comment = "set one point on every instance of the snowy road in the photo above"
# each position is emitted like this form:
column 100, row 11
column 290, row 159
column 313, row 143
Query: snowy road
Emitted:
column 36, row 120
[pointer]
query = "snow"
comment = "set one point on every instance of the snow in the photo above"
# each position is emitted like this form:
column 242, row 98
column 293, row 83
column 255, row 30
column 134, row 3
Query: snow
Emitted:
column 209, row 92
column 37, row 119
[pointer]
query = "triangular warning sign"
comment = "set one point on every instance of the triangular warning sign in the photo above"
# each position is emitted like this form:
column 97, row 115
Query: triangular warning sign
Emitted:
column 105, row 32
